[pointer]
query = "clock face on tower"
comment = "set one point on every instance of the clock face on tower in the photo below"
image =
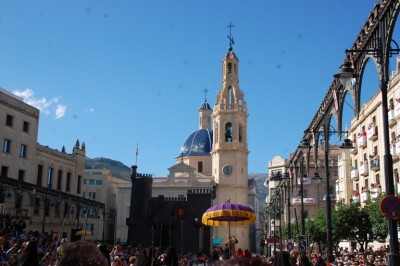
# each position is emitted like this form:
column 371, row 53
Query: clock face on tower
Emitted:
column 227, row 170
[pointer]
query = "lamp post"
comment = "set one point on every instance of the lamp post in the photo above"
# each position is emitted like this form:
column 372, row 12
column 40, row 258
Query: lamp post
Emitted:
column 345, row 75
column 45, row 212
column 286, row 182
column 305, row 146
column 328, row 196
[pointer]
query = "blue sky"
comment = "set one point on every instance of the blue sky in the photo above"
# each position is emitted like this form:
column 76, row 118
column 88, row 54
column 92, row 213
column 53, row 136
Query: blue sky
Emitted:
column 115, row 74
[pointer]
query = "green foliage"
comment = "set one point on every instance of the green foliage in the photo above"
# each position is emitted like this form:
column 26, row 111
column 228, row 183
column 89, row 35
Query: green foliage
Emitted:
column 350, row 222
column 379, row 222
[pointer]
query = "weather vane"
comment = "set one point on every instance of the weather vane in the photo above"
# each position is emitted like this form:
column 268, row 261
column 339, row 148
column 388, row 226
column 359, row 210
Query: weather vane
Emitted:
column 230, row 37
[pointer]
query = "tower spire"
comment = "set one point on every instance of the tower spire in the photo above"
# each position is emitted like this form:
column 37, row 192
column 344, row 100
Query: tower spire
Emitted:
column 230, row 37
column 205, row 94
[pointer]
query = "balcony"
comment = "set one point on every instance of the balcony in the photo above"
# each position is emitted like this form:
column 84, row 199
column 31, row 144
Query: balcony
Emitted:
column 362, row 140
column 372, row 133
column 375, row 190
column 374, row 162
column 397, row 146
column 355, row 150
column 397, row 110
column 393, row 150
column 306, row 201
column 333, row 197
column 364, row 196
column 363, row 169
column 391, row 117
column 354, row 174
column 356, row 196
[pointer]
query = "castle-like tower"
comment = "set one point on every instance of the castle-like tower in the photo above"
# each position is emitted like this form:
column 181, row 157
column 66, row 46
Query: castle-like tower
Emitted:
column 230, row 151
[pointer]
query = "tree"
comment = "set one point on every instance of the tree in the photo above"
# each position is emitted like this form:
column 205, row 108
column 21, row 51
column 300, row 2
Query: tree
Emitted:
column 379, row 222
column 317, row 229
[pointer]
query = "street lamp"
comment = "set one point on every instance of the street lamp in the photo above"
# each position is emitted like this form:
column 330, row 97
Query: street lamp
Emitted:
column 345, row 74
column 286, row 183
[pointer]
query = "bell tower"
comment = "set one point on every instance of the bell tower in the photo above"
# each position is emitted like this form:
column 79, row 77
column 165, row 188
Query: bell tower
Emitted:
column 230, row 150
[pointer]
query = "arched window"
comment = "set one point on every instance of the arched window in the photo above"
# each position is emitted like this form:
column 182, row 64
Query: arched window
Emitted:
column 229, row 68
column 228, row 132
column 230, row 95
column 240, row 133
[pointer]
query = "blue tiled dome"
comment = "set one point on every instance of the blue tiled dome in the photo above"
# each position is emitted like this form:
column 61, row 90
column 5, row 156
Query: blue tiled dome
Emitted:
column 199, row 143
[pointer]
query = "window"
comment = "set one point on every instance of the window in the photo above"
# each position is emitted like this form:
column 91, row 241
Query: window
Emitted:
column 92, row 195
column 9, row 120
column 36, row 207
column 228, row 132
column 59, row 179
column 96, row 182
column 39, row 175
column 6, row 146
column 200, row 167
column 50, row 177
column 230, row 96
column 25, row 127
column 4, row 171
column 68, row 183
column 21, row 175
column 46, row 207
column 229, row 68
column 78, row 188
column 22, row 151
column 57, row 209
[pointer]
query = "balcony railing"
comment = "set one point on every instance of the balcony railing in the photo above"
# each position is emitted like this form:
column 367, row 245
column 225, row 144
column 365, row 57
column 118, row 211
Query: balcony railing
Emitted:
column 372, row 133
column 397, row 110
column 355, row 149
column 362, row 140
column 306, row 201
column 354, row 174
column 374, row 164
column 393, row 150
column 391, row 117
column 364, row 169
column 333, row 196
column 356, row 196
column 375, row 192
column 364, row 196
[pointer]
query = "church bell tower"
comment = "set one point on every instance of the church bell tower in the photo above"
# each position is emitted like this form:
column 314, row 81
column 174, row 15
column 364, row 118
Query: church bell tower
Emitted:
column 230, row 150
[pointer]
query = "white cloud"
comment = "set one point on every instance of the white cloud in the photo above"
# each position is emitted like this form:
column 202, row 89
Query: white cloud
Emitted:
column 60, row 111
column 46, row 106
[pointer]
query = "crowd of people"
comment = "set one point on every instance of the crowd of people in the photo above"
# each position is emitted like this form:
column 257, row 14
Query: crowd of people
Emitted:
column 22, row 248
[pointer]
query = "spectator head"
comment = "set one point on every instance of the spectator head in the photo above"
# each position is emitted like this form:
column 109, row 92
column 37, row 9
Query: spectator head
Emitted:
column 82, row 253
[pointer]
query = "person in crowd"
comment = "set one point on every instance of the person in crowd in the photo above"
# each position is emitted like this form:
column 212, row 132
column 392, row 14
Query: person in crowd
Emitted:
column 132, row 261
column 231, row 244
column 61, row 247
column 143, row 259
column 171, row 258
column 28, row 255
column 106, row 253
column 294, row 257
column 282, row 258
column 82, row 253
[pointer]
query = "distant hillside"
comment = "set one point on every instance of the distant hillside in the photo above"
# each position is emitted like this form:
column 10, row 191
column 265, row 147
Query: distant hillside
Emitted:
column 117, row 168
column 262, row 191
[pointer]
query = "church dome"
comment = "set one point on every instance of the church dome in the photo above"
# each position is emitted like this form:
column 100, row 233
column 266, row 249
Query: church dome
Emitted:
column 199, row 143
